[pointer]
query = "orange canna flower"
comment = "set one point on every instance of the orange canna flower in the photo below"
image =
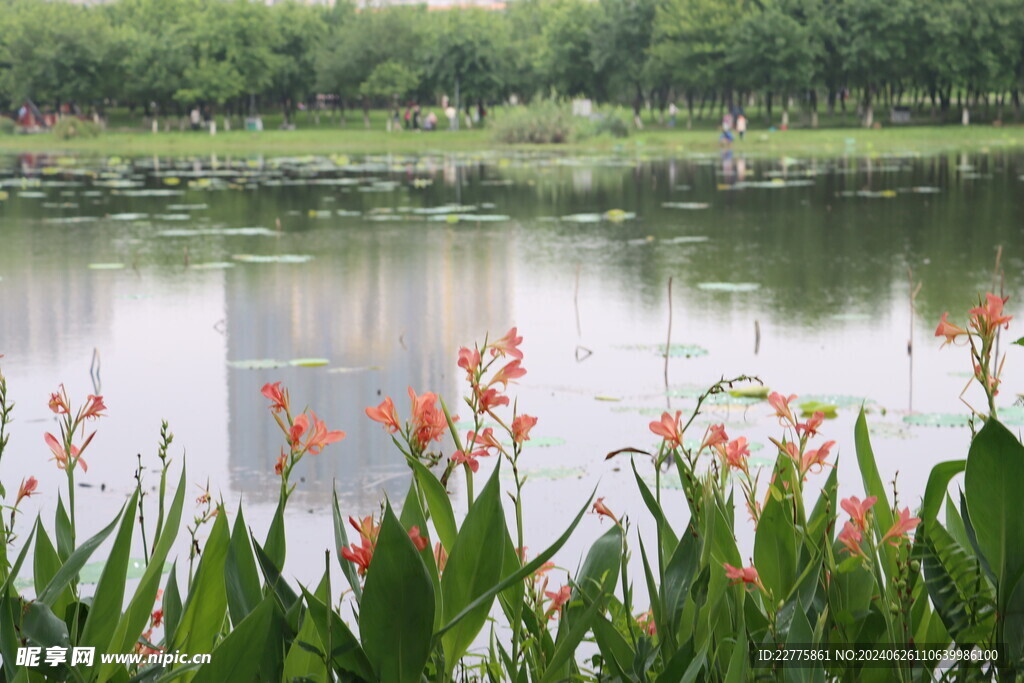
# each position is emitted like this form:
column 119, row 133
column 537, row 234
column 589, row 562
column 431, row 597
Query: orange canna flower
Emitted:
column 157, row 618
column 993, row 381
column 646, row 622
column 599, row 508
column 485, row 439
column 716, row 436
column 469, row 360
column 904, row 523
column 490, row 399
column 27, row 489
column 558, row 600
column 462, row 458
column 513, row 370
column 851, row 537
column 507, row 345
column 278, row 397
column 59, row 402
column 360, row 555
column 948, row 330
column 61, row 456
column 366, row 528
column 745, row 575
column 319, row 436
column 440, row 557
column 816, row 458
column 858, row 509
column 521, row 427
column 419, row 541
column 987, row 317
column 668, row 429
column 810, row 428
column 781, row 405
column 298, row 428
column 385, row 414
column 282, row 461
column 93, row 408
column 736, row 454
column 429, row 423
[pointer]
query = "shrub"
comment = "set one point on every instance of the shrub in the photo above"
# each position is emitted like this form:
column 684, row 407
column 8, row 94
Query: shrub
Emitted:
column 604, row 124
column 70, row 127
column 7, row 126
column 544, row 122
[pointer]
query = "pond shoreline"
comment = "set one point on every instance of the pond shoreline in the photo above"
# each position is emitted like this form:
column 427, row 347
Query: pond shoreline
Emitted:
column 831, row 142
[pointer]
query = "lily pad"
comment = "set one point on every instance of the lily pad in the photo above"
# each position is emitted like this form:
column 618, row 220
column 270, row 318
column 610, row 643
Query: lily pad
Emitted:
column 551, row 473
column 273, row 258
column 309, row 362
column 212, row 265
column 686, row 239
column 350, row 370
column 729, row 286
column 686, row 205
column 889, row 430
column 839, row 400
column 106, row 266
column 127, row 216
column 808, row 408
column 937, row 420
column 753, row 391
column 540, row 442
column 257, row 364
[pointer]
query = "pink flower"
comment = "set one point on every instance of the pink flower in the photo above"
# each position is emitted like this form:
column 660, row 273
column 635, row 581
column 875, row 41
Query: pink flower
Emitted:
column 716, row 435
column 420, row 542
column 993, row 381
column 816, row 458
column 745, row 575
column 490, row 399
column 736, row 454
column 282, row 462
column 386, row 415
column 858, row 509
column 28, row 488
column 810, row 428
column 278, row 397
column 781, row 405
column 366, row 528
column 988, row 317
column 429, row 423
column 59, row 402
column 948, row 330
column 320, row 437
column 507, row 345
column 462, row 458
column 900, row 527
column 646, row 622
column 513, row 370
column 600, row 509
column 521, row 427
column 558, row 600
column 469, row 360
column 93, row 408
column 57, row 448
column 156, row 618
column 668, row 429
column 792, row 450
column 360, row 555
column 851, row 537
column 298, row 428
column 440, row 557
column 485, row 439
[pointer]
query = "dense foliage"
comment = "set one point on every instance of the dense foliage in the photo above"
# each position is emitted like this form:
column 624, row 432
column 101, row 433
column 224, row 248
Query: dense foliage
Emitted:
column 241, row 55
column 441, row 594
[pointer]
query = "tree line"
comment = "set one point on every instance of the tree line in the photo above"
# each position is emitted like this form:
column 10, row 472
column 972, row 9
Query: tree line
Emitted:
column 167, row 56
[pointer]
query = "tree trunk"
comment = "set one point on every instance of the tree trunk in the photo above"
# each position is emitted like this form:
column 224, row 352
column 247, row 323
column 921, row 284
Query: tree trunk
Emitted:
column 768, row 108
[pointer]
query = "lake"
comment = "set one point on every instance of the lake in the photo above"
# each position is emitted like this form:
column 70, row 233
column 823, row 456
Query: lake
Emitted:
column 187, row 284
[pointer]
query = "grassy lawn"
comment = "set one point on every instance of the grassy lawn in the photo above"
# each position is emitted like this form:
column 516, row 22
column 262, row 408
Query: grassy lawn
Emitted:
column 654, row 141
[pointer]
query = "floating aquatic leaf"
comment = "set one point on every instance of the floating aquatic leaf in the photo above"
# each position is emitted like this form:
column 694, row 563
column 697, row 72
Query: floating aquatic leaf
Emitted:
column 345, row 371
column 32, row 195
column 273, row 258
column 686, row 239
column 889, row 430
column 602, row 397
column 106, row 266
column 839, row 400
column 850, row 316
column 212, row 265
column 70, row 220
column 257, row 364
column 729, row 286
column 540, row 442
column 187, row 207
column 472, row 218
column 936, row 420
column 1012, row 416
column 753, row 391
column 127, row 216
column 230, row 232
column 151, row 193
column 553, row 473
column 309, row 362
column 686, row 205
column 444, row 209
column 674, row 351
column 618, row 215
column 808, row 408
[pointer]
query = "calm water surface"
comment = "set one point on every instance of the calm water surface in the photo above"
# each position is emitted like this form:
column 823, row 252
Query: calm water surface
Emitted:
column 384, row 266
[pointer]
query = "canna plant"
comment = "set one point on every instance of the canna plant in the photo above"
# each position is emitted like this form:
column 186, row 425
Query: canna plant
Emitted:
column 438, row 592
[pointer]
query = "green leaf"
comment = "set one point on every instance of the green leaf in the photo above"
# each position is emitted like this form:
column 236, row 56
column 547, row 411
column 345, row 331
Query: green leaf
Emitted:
column 45, row 564
column 874, row 487
column 172, row 603
column 275, row 545
column 207, row 601
column 438, row 503
column 666, row 535
column 955, row 585
column 62, row 529
column 527, row 569
column 139, row 609
column 474, row 566
column 341, row 541
column 679, row 575
column 566, row 645
column 69, row 570
column 241, row 578
column 992, row 485
column 617, row 653
column 412, row 518
column 42, row 627
column 348, row 655
column 239, row 655
column 109, row 597
column 938, row 482
column 396, row 615
column 306, row 653
column 775, row 546
column 600, row 568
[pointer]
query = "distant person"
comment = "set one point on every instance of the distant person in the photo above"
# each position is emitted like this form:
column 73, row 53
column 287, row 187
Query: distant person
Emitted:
column 416, row 117
column 673, row 111
column 450, row 114
column 408, row 117
column 431, row 122
column 741, row 125
column 195, row 118
column 725, row 139
column 727, row 121
column 481, row 112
